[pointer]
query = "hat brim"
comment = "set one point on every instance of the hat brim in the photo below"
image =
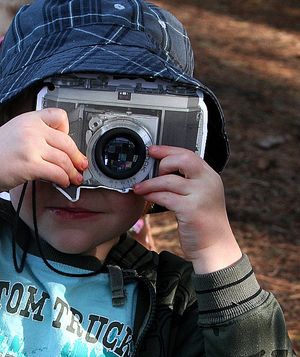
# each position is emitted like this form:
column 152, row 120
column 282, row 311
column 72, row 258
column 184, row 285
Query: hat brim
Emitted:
column 111, row 59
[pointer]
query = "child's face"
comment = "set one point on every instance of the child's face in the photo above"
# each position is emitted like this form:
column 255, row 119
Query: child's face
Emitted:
column 89, row 226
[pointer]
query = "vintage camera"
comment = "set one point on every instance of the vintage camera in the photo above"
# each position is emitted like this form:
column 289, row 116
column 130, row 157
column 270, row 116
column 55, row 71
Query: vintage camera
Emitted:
column 115, row 120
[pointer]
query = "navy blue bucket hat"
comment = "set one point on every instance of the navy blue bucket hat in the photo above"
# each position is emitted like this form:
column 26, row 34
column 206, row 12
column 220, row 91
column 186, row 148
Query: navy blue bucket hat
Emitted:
column 124, row 37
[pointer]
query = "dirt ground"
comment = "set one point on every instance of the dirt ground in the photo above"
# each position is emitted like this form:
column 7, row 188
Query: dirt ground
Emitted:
column 248, row 52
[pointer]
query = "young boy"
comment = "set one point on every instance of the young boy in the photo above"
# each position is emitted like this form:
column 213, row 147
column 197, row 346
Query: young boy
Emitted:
column 73, row 283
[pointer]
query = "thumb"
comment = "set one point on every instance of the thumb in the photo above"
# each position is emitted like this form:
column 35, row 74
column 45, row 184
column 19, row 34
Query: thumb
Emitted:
column 55, row 118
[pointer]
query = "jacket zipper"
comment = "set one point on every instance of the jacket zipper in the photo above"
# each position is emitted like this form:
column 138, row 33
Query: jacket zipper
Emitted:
column 133, row 275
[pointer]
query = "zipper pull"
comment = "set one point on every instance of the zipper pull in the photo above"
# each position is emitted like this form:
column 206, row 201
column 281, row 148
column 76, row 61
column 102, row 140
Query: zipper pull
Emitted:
column 117, row 285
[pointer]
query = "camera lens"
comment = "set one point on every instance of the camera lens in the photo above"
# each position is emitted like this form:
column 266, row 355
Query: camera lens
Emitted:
column 120, row 153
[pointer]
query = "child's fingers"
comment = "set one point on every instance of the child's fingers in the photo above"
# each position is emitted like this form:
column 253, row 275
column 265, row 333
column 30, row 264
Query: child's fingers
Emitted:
column 53, row 173
column 161, row 151
column 169, row 200
column 167, row 183
column 65, row 143
column 170, row 191
column 62, row 160
column 174, row 159
column 55, row 118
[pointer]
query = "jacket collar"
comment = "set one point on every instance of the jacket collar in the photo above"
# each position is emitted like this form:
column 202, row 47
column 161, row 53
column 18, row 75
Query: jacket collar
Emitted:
column 130, row 254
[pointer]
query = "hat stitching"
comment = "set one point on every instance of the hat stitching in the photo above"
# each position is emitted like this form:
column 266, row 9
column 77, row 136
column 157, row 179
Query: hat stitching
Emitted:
column 71, row 48
column 157, row 74
column 141, row 61
column 20, row 41
column 103, row 49
column 15, row 26
column 17, row 33
column 51, row 53
column 114, row 35
column 182, row 75
column 164, row 31
column 167, row 38
column 156, row 16
column 80, row 59
column 129, row 60
column 35, row 47
column 10, row 89
column 107, row 41
column 138, row 15
column 71, row 14
column 166, row 53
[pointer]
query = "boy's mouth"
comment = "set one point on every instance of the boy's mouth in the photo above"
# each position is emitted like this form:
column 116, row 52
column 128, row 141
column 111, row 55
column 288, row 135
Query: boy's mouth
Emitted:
column 72, row 213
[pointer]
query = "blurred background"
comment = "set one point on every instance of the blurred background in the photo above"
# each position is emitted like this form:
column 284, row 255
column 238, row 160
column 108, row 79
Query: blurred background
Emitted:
column 248, row 53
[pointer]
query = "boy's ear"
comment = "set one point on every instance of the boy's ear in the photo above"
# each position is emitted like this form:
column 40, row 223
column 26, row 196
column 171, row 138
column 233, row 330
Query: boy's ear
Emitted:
column 22, row 103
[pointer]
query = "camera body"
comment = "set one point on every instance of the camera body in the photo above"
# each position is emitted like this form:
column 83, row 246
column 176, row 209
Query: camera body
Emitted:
column 115, row 120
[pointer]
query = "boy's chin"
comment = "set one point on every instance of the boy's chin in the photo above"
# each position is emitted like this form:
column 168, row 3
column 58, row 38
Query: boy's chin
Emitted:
column 80, row 244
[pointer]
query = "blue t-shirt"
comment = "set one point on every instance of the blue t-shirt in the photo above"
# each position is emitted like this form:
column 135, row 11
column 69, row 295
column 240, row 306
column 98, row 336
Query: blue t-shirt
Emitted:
column 45, row 314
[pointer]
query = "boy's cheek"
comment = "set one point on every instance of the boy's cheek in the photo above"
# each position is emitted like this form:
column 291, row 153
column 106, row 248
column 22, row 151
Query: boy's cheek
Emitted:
column 15, row 196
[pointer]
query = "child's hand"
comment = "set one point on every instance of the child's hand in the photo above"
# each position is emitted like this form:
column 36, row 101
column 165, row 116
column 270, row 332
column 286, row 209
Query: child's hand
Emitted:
column 197, row 199
column 36, row 145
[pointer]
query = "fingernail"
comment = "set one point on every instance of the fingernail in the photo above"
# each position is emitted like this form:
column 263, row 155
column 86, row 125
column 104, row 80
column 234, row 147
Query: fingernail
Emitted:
column 66, row 185
column 79, row 178
column 136, row 187
column 84, row 164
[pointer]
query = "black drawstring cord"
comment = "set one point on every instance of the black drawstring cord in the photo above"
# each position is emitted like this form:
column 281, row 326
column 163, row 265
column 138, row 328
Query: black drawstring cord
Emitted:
column 19, row 268
column 38, row 243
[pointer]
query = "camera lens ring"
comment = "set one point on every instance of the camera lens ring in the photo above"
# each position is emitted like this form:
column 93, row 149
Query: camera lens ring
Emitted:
column 119, row 121
column 112, row 139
